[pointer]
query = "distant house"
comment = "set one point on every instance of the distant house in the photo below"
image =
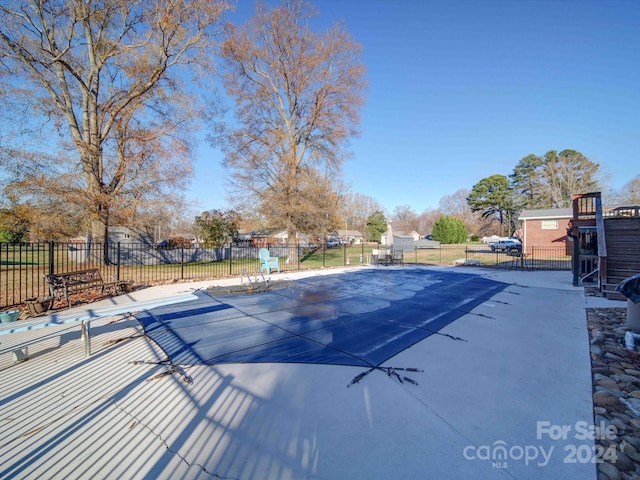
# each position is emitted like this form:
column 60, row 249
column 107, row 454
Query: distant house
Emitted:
column 390, row 233
column 399, row 240
column 548, row 227
column 79, row 247
column 416, row 236
column 273, row 236
column 262, row 237
column 125, row 234
column 350, row 237
column 387, row 237
column 122, row 234
column 425, row 243
column 403, row 242
column 282, row 236
column 545, row 227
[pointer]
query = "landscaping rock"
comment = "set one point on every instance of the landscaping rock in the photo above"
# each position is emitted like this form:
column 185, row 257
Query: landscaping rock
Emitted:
column 605, row 399
column 623, row 377
column 630, row 451
column 609, row 470
column 624, row 463
column 633, row 404
column 616, row 395
column 608, row 383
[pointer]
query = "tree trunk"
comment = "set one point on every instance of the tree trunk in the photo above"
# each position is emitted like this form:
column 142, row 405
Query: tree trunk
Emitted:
column 98, row 212
column 105, row 243
column 292, row 245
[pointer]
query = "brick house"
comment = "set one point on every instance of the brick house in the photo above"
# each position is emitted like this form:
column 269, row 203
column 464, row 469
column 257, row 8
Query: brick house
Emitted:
column 546, row 227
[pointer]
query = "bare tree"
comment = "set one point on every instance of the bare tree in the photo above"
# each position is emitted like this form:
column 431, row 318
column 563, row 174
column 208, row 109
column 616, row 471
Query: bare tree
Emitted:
column 456, row 205
column 38, row 181
column 297, row 98
column 427, row 218
column 628, row 194
column 566, row 173
column 103, row 68
column 356, row 210
column 404, row 218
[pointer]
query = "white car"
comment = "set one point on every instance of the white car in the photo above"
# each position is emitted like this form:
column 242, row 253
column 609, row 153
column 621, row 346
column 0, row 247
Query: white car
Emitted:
column 506, row 245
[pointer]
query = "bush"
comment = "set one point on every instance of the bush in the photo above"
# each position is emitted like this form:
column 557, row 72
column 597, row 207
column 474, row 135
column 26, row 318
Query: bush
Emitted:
column 449, row 230
column 475, row 238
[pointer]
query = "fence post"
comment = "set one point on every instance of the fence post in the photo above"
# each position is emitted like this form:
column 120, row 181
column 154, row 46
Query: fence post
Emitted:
column 531, row 257
column 230, row 259
column 182, row 263
column 51, row 272
column 118, row 261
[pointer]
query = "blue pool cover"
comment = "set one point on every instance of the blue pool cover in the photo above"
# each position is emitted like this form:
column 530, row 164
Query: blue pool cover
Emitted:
column 359, row 318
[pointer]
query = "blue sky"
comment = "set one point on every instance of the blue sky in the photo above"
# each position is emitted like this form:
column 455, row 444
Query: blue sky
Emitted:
column 460, row 90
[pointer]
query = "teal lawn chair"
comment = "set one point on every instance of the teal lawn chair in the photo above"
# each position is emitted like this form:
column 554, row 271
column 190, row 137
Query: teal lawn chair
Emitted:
column 267, row 262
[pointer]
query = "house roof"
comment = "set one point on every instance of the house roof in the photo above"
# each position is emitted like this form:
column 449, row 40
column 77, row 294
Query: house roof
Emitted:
column 125, row 229
column 545, row 213
column 403, row 235
column 266, row 232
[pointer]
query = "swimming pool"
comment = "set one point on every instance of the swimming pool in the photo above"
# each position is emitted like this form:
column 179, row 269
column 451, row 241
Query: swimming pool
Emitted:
column 358, row 318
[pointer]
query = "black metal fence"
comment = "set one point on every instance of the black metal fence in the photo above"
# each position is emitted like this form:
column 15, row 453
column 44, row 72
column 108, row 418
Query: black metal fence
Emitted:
column 23, row 266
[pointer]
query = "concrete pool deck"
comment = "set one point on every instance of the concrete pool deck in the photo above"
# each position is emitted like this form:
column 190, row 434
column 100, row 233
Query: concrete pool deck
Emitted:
column 489, row 405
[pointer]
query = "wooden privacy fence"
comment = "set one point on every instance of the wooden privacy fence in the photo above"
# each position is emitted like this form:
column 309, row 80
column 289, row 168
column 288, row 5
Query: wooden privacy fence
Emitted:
column 23, row 266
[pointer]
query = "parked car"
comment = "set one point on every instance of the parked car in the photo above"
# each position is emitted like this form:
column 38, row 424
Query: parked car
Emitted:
column 506, row 245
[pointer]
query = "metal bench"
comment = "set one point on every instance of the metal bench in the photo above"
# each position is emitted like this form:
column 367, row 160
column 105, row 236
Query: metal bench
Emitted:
column 61, row 285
